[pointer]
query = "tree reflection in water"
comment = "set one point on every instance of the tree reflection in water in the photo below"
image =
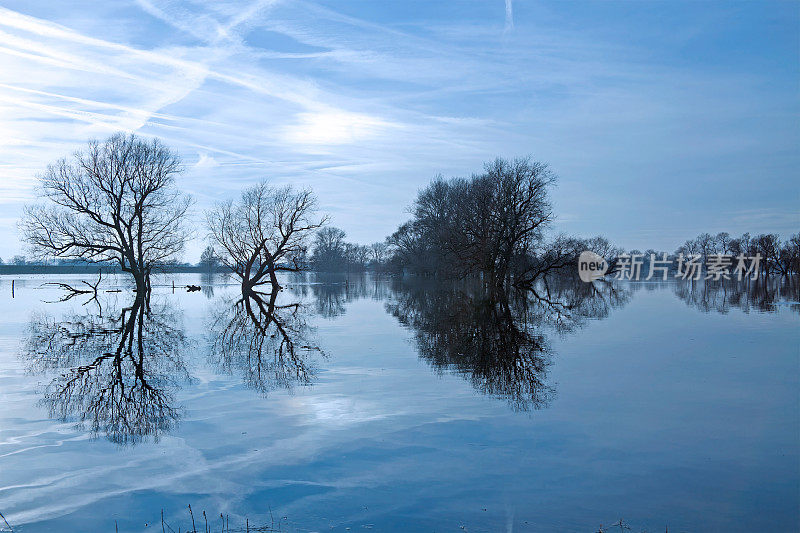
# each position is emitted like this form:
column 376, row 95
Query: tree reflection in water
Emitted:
column 497, row 340
column 763, row 295
column 117, row 373
column 332, row 292
column 268, row 343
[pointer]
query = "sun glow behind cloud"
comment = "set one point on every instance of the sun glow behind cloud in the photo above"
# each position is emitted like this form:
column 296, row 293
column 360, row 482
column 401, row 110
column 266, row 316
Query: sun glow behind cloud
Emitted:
column 334, row 127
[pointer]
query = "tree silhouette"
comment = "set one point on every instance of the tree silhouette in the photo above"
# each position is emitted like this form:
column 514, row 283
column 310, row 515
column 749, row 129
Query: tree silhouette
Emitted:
column 263, row 233
column 113, row 202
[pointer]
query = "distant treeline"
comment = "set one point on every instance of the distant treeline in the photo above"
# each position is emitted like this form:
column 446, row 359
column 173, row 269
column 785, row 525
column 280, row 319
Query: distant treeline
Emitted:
column 777, row 257
column 33, row 267
column 116, row 203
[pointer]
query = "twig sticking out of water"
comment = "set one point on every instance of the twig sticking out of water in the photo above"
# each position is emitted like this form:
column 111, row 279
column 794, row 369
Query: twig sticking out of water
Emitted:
column 224, row 526
column 72, row 291
column 6, row 521
column 194, row 529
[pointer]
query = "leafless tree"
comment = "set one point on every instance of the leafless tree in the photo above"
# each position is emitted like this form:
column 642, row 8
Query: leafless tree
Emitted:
column 723, row 241
column 478, row 225
column 208, row 259
column 330, row 250
column 791, row 254
column 264, row 233
column 706, row 245
column 115, row 201
column 769, row 247
column 378, row 254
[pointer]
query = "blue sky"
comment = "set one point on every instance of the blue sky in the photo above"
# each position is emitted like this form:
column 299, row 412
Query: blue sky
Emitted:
column 662, row 119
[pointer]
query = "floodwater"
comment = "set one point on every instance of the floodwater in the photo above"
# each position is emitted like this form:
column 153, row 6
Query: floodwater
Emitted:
column 362, row 403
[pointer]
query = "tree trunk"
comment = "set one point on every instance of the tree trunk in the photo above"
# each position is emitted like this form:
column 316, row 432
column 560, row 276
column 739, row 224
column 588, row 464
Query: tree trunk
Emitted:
column 273, row 278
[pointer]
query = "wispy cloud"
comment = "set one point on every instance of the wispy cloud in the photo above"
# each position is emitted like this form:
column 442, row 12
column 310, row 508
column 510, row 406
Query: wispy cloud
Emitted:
column 366, row 108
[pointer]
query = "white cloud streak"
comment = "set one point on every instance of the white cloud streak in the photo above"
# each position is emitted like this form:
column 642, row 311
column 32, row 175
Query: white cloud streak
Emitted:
column 362, row 110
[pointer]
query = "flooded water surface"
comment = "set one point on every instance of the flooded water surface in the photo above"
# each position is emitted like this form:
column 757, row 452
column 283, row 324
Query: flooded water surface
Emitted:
column 366, row 403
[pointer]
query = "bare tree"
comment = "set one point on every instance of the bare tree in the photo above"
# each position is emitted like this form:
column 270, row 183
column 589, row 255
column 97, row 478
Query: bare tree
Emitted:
column 208, row 259
column 769, row 246
column 479, row 225
column 792, row 250
column 723, row 240
column 706, row 245
column 378, row 253
column 265, row 232
column 113, row 202
column 329, row 250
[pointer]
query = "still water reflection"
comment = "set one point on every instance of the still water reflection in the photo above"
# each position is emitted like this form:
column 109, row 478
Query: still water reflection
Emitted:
column 115, row 373
column 268, row 343
column 499, row 342
column 561, row 408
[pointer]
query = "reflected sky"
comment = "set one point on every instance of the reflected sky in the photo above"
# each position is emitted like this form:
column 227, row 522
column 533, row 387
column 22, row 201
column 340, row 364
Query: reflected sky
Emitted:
column 657, row 405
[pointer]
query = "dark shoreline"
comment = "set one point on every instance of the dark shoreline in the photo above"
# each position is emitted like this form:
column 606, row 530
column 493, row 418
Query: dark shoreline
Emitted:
column 93, row 269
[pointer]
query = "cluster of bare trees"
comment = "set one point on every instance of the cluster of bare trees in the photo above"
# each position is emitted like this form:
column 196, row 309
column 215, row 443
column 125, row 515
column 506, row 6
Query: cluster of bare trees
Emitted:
column 478, row 225
column 777, row 257
column 116, row 202
column 491, row 226
column 332, row 253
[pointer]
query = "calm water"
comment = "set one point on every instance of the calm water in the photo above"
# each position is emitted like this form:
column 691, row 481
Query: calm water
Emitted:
column 388, row 406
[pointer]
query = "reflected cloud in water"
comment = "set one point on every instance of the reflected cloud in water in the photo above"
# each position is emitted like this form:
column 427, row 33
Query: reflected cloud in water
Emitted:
column 117, row 373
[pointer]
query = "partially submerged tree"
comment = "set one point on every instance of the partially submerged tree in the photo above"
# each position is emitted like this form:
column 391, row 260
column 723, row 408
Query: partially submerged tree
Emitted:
column 478, row 225
column 264, row 232
column 115, row 201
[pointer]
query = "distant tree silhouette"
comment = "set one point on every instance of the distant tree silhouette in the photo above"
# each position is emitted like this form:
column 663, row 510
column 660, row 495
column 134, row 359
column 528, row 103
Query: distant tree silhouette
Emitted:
column 209, row 259
column 776, row 257
column 477, row 225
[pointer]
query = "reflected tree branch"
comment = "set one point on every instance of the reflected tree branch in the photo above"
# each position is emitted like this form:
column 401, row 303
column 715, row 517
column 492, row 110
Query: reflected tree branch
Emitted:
column 267, row 342
column 114, row 374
